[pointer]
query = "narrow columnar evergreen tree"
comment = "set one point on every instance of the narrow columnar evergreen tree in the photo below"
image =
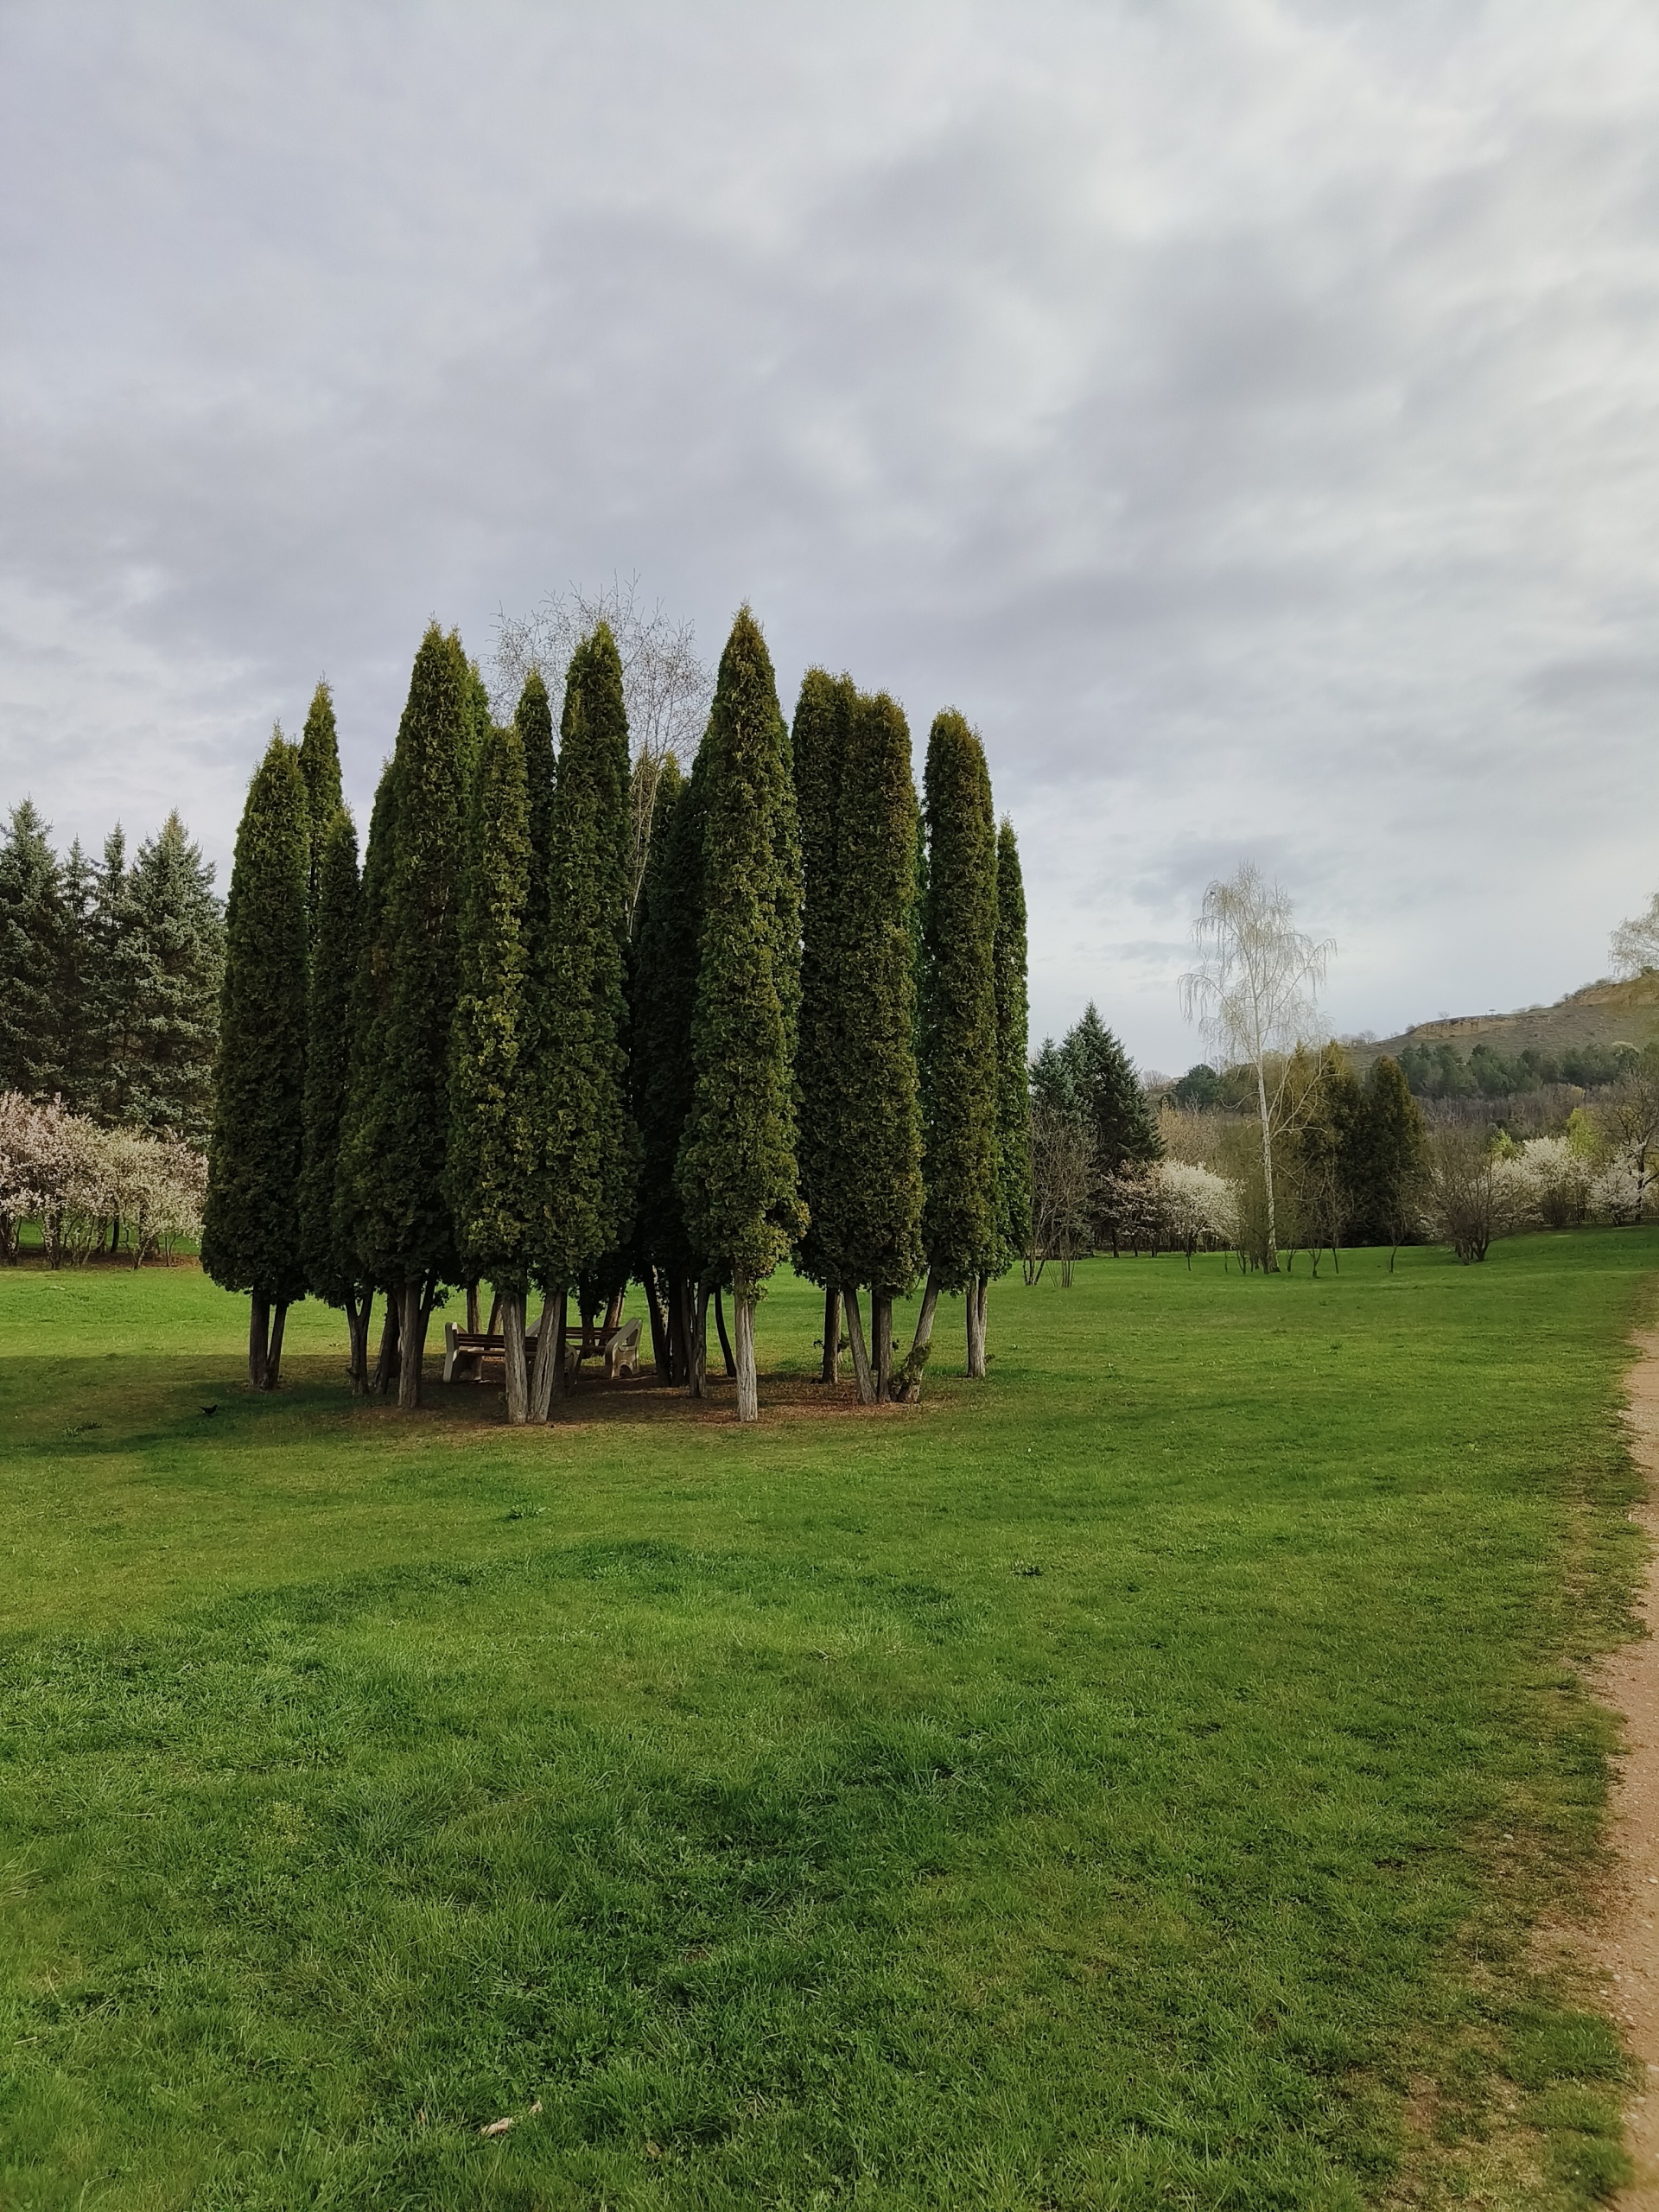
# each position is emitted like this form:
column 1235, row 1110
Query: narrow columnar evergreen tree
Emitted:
column 587, row 1162
column 879, row 1202
column 167, row 967
column 320, row 766
column 669, row 931
column 354, row 1190
column 737, row 1173
column 331, row 1272
column 251, row 1220
column 490, row 1184
column 1386, row 1166
column 958, row 1031
column 398, row 1130
column 1013, row 1046
column 31, row 931
column 823, row 716
column 533, row 720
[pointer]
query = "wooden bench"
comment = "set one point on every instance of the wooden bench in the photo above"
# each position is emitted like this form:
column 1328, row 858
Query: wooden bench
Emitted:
column 619, row 1348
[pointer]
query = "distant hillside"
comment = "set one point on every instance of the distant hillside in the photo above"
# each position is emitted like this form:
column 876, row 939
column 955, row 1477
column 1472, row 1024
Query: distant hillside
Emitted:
column 1600, row 1013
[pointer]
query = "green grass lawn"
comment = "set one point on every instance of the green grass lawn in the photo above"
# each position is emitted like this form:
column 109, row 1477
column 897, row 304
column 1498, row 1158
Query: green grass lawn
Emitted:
column 1128, row 1783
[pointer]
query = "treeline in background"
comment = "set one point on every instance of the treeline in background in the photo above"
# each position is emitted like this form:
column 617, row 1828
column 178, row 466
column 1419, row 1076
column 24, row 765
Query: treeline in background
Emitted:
column 583, row 1019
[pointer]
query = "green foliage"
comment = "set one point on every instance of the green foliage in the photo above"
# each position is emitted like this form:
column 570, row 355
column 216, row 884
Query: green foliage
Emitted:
column 331, row 1268
column 488, row 1170
column 1441, row 1071
column 668, row 932
column 533, row 720
column 958, row 1043
column 1105, row 1089
column 392, row 1153
column 1002, row 1805
column 366, row 1046
column 587, row 1164
column 1013, row 1044
column 31, row 959
column 161, row 989
column 824, row 716
column 251, row 1222
column 1386, row 1158
column 737, row 1174
column 1199, row 1088
column 320, row 768
column 478, row 719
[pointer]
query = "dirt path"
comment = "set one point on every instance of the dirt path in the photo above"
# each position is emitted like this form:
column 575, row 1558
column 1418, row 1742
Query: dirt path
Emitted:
column 1628, row 1943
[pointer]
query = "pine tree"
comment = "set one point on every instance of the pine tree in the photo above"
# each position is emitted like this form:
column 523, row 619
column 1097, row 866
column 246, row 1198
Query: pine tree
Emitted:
column 167, row 967
column 1013, row 1043
column 958, row 1031
column 1107, row 1092
column 77, row 1032
column 669, row 931
column 737, row 1174
column 251, row 1220
column 490, row 1189
column 1385, row 1163
column 105, row 1003
column 398, row 1122
column 31, row 933
column 320, row 767
column 331, row 1267
column 824, row 716
column 587, row 1149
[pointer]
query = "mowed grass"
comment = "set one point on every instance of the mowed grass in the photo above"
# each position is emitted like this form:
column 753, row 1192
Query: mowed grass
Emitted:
column 1125, row 1782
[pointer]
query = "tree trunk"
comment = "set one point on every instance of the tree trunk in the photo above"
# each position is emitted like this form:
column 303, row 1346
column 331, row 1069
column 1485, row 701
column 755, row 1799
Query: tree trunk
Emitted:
column 975, row 1318
column 495, row 1317
column 417, row 1304
column 984, row 1319
column 385, row 1367
column 471, row 1307
column 720, row 1331
column 662, row 1349
column 881, row 1329
column 921, row 1342
column 613, row 1311
column 861, row 1375
column 830, row 1370
column 679, row 1331
column 696, row 1350
column 547, row 1382
column 258, row 1339
column 274, row 1353
column 357, row 1311
column 748, row 1397
column 512, row 1333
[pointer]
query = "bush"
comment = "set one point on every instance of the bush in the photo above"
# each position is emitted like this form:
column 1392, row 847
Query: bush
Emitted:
column 88, row 1187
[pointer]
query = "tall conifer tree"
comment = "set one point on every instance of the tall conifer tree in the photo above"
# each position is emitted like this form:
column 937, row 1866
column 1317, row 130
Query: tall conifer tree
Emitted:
column 251, row 1220
column 587, row 1162
column 1013, row 1048
column 331, row 1270
column 737, row 1173
column 877, row 1202
column 167, row 965
column 320, row 766
column 31, row 931
column 958, row 1030
column 397, row 1126
column 490, row 1182
column 824, row 715
column 354, row 1189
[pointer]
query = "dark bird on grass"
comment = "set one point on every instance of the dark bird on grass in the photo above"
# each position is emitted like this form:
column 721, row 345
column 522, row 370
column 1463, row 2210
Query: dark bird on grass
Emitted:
column 210, row 1409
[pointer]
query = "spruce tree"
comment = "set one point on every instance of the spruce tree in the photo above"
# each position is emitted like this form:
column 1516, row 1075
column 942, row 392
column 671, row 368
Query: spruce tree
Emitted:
column 1013, row 1043
column 399, row 1126
column 587, row 1149
column 166, row 972
column 320, row 767
column 1107, row 1092
column 105, row 1003
column 824, row 715
column 31, row 934
column 490, row 1184
column 78, row 1044
column 251, row 1220
column 737, row 1173
column 669, row 931
column 332, row 1271
column 958, row 1031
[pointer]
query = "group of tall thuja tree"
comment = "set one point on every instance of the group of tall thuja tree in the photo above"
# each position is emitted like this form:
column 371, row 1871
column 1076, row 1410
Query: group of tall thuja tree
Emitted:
column 467, row 1067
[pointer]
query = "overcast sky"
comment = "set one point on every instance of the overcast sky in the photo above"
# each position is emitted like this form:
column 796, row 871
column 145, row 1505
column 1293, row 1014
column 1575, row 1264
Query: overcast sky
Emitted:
column 1247, row 413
